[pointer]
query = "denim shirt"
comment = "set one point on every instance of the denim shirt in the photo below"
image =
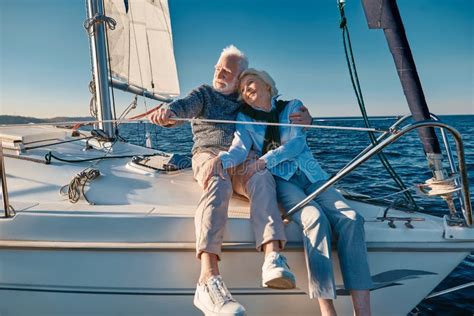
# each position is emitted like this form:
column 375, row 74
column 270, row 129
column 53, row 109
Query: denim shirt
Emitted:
column 284, row 161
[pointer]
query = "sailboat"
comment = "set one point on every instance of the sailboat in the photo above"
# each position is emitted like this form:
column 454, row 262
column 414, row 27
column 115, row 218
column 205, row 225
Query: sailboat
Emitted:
column 119, row 239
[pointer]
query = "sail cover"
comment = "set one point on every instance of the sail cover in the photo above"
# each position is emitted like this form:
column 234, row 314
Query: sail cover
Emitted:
column 141, row 45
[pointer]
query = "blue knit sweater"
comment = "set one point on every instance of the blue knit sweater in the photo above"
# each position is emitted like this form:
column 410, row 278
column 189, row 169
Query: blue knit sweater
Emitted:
column 206, row 103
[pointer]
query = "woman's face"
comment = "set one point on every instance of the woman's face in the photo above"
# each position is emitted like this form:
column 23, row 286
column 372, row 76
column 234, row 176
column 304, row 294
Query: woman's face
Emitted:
column 255, row 92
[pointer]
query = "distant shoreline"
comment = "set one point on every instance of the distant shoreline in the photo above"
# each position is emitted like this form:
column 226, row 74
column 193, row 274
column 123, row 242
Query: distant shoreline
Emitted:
column 17, row 119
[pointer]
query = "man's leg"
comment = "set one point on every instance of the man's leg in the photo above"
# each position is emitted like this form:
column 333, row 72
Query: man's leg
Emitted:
column 209, row 266
column 211, row 213
column 212, row 296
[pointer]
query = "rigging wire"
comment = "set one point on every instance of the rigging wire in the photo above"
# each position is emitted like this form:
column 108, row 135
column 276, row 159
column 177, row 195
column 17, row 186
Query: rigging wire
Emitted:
column 166, row 22
column 139, row 63
column 389, row 195
column 111, row 88
column 92, row 103
column 191, row 120
column 360, row 100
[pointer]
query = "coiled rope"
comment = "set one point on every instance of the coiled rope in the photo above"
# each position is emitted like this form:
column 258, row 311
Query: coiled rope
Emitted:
column 75, row 189
column 99, row 18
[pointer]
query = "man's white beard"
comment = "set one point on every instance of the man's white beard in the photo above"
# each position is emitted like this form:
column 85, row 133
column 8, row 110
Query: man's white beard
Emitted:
column 227, row 88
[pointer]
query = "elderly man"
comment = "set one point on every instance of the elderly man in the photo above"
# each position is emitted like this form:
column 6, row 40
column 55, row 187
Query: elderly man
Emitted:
column 220, row 102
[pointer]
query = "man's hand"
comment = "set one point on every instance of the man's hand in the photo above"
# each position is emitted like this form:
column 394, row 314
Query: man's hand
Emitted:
column 212, row 168
column 302, row 117
column 252, row 168
column 162, row 117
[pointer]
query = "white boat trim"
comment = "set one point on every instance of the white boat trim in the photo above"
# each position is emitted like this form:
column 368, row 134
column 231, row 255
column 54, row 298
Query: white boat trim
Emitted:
column 226, row 247
column 139, row 291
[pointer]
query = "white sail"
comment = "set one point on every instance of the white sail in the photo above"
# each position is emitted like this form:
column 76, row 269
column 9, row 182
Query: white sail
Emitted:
column 141, row 46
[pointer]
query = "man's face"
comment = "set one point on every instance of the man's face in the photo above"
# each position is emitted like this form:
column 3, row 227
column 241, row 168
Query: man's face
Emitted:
column 226, row 74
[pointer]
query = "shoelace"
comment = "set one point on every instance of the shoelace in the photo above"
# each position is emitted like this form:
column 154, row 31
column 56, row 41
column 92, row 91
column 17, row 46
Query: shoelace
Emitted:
column 219, row 292
column 280, row 261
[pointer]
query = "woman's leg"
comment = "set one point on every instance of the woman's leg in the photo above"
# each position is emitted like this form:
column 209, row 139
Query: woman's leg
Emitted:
column 316, row 240
column 348, row 226
column 327, row 307
column 361, row 302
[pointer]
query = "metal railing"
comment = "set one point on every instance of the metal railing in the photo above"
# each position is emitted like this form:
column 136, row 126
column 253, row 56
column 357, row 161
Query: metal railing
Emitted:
column 370, row 151
column 449, row 153
column 393, row 128
column 6, row 203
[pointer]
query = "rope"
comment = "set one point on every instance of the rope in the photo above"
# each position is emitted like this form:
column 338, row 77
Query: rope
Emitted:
column 99, row 18
column 360, row 100
column 49, row 157
column 92, row 103
column 193, row 120
column 75, row 189
column 129, row 108
column 388, row 195
column 58, row 143
column 139, row 116
column 354, row 119
column 77, row 184
column 139, row 63
column 360, row 129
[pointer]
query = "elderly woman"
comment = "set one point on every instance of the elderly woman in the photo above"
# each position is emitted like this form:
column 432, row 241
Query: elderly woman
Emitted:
column 285, row 153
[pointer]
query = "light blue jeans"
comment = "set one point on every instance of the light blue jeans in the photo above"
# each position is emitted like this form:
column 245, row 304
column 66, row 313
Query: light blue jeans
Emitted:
column 327, row 211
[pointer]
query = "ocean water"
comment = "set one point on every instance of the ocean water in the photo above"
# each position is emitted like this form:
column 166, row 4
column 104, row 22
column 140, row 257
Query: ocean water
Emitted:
column 333, row 149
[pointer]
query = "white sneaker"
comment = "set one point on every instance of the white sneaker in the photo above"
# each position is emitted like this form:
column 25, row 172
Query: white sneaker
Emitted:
column 276, row 273
column 214, row 299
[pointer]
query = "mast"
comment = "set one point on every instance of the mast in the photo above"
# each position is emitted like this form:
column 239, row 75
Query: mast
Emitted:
column 384, row 14
column 99, row 59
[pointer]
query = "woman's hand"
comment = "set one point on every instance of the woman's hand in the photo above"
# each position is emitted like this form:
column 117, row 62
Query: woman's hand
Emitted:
column 212, row 168
column 302, row 117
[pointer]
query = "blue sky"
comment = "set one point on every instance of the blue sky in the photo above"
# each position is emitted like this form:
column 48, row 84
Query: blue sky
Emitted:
column 45, row 69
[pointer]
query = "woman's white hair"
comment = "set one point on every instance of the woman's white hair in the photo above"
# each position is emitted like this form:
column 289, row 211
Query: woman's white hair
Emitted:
column 231, row 50
column 264, row 76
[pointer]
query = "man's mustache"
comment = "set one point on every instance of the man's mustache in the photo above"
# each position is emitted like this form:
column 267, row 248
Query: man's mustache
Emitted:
column 225, row 84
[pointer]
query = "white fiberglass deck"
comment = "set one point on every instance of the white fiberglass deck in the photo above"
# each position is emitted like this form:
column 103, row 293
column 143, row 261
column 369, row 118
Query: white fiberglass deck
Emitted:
column 125, row 196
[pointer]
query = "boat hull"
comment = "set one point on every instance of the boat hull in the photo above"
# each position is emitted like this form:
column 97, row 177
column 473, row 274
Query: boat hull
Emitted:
column 132, row 251
column 153, row 281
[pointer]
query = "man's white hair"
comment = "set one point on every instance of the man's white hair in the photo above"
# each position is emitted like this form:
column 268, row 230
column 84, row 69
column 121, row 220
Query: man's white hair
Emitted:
column 231, row 50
